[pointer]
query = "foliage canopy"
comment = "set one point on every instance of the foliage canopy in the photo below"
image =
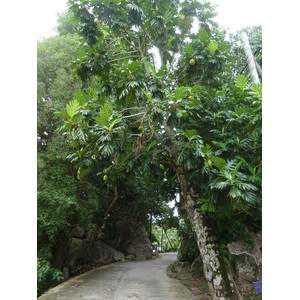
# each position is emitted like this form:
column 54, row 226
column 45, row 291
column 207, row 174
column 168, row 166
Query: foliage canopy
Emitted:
column 142, row 122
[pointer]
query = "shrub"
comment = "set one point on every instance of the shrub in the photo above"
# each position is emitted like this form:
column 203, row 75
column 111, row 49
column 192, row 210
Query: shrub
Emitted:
column 47, row 276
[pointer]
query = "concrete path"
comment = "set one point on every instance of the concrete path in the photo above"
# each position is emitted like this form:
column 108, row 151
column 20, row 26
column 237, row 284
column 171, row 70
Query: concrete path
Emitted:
column 129, row 280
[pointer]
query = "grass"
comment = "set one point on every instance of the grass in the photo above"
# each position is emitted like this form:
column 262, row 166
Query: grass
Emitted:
column 203, row 287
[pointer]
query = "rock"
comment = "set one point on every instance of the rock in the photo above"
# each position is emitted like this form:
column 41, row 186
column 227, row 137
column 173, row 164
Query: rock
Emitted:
column 130, row 257
column 182, row 264
column 246, row 263
column 102, row 253
column 197, row 265
column 66, row 273
column 139, row 243
column 79, row 232
column 75, row 253
column 132, row 240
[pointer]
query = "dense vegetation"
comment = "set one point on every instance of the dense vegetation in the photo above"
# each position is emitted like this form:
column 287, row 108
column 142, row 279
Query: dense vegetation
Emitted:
column 121, row 133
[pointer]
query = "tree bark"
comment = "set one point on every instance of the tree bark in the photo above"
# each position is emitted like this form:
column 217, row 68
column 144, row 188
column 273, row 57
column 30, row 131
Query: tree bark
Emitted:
column 168, row 238
column 258, row 68
column 250, row 59
column 161, row 240
column 59, row 252
column 219, row 280
column 151, row 227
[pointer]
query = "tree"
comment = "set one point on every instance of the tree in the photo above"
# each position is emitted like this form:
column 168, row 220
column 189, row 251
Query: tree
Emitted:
column 190, row 117
column 55, row 82
column 67, row 24
column 63, row 201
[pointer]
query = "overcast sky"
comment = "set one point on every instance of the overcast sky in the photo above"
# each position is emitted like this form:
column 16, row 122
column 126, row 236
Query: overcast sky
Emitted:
column 234, row 14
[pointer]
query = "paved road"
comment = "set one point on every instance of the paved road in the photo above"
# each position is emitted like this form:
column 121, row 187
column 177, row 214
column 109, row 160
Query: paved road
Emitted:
column 145, row 280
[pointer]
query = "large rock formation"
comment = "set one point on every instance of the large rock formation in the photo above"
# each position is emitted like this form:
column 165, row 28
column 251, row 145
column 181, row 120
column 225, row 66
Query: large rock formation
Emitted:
column 133, row 241
column 102, row 253
column 90, row 247
column 247, row 264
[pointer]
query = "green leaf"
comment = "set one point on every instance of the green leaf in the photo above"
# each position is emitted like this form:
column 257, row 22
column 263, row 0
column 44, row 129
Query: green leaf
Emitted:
column 171, row 39
column 150, row 146
column 73, row 108
column 147, row 95
column 131, row 96
column 181, row 113
column 104, row 115
column 189, row 49
column 224, row 46
column 190, row 133
column 64, row 114
column 196, row 89
column 218, row 162
column 151, row 69
column 213, row 46
column 105, row 33
column 256, row 90
column 80, row 96
column 134, row 66
column 92, row 94
column 206, row 205
column 82, row 172
column 207, row 150
column 240, row 81
column 181, row 92
column 203, row 35
column 162, row 71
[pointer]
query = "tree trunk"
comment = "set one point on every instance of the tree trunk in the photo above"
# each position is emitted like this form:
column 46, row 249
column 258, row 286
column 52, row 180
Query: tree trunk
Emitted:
column 219, row 280
column 161, row 240
column 250, row 59
column 59, row 252
column 168, row 239
column 258, row 68
column 151, row 227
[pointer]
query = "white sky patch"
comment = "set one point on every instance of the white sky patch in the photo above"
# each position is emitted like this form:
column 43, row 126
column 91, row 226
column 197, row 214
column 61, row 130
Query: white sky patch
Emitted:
column 237, row 14
column 232, row 14
column 172, row 205
column 46, row 16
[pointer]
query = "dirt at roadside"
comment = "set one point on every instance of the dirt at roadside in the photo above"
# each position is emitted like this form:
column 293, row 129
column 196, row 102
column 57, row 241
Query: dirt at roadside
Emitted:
column 196, row 283
column 193, row 280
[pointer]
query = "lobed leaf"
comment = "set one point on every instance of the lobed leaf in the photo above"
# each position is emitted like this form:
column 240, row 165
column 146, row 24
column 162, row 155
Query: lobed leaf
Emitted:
column 240, row 81
column 73, row 108
column 213, row 46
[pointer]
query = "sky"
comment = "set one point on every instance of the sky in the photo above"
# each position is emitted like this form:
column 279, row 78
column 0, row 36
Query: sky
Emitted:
column 233, row 14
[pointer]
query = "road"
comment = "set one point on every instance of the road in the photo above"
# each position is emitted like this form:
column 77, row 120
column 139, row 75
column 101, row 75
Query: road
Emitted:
column 145, row 280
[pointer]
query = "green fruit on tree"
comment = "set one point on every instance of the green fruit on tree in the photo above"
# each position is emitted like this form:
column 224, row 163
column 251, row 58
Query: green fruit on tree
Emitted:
column 105, row 177
column 141, row 128
column 125, row 26
column 192, row 62
column 209, row 162
column 191, row 98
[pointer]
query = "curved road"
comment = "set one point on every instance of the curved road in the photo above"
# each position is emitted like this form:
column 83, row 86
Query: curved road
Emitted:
column 128, row 280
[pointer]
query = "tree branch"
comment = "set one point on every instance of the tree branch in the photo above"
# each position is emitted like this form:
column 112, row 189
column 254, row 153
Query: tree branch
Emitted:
column 168, row 130
column 132, row 56
column 134, row 115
